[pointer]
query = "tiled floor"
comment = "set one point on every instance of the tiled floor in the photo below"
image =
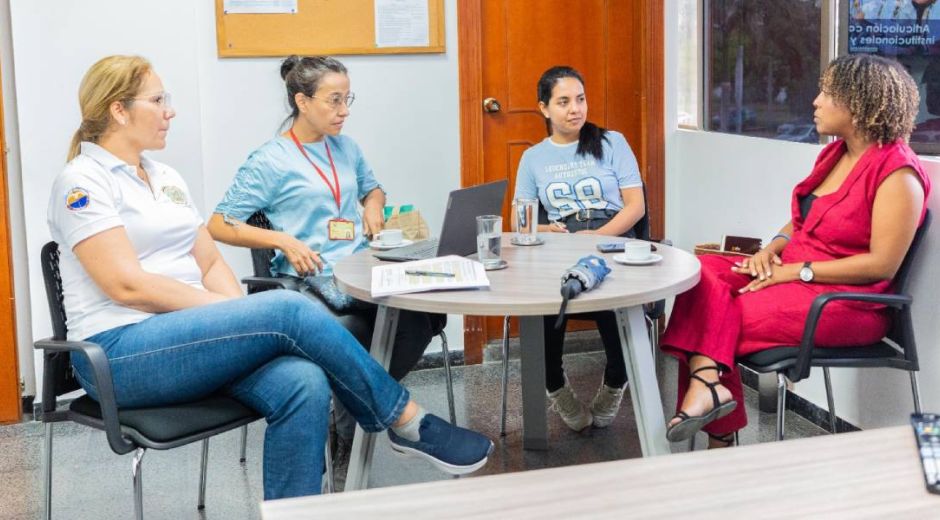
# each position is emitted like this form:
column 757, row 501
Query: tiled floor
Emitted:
column 92, row 482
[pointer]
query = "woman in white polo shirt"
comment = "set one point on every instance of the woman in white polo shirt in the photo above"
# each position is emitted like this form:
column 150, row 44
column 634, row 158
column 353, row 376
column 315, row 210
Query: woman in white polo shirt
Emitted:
column 143, row 278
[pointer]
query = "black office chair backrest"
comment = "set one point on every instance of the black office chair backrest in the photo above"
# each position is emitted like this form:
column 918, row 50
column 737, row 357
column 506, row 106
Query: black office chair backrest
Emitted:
column 900, row 278
column 261, row 258
column 56, row 365
column 641, row 229
column 902, row 328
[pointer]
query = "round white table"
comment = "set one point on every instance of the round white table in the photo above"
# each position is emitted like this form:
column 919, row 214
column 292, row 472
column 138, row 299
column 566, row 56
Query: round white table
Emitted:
column 530, row 288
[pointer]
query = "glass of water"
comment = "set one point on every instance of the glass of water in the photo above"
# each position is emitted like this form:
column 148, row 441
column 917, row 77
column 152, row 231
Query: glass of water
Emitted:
column 526, row 221
column 489, row 236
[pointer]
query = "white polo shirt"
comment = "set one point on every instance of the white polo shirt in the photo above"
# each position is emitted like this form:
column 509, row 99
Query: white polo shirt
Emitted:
column 96, row 192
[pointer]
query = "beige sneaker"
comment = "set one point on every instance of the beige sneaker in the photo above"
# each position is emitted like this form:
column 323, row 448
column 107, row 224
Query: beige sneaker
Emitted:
column 572, row 411
column 605, row 405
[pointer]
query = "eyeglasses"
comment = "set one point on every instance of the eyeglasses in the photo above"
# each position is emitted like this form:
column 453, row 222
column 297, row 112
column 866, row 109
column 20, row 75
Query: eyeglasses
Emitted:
column 162, row 100
column 335, row 100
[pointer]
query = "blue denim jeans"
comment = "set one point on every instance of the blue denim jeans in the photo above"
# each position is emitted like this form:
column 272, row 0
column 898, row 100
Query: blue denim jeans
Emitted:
column 276, row 352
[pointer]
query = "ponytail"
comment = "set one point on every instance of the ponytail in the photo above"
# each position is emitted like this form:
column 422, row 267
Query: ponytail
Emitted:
column 591, row 140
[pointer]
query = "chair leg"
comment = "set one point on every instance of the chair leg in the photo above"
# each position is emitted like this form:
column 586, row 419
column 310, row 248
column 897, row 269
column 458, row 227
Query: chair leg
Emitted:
column 502, row 416
column 916, row 390
column 448, row 379
column 328, row 467
column 243, row 445
column 203, row 465
column 830, row 400
column 136, row 469
column 781, row 403
column 47, row 471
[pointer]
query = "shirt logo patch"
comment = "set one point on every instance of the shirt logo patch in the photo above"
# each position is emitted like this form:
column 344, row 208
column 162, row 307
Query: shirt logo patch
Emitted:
column 77, row 199
column 175, row 194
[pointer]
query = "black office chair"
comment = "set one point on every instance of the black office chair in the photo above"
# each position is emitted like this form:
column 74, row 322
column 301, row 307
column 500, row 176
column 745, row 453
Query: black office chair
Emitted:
column 159, row 428
column 653, row 311
column 262, row 281
column 896, row 350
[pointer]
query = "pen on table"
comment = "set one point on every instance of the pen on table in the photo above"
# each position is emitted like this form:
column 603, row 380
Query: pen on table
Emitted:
column 430, row 273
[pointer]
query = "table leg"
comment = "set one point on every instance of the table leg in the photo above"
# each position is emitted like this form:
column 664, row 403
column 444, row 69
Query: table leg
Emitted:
column 534, row 419
column 644, row 388
column 360, row 459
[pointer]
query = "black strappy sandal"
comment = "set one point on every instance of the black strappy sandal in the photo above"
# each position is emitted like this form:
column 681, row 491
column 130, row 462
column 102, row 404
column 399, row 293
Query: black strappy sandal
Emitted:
column 727, row 440
column 689, row 425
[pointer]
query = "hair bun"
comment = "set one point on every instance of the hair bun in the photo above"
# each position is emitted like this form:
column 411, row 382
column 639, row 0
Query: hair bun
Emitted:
column 288, row 65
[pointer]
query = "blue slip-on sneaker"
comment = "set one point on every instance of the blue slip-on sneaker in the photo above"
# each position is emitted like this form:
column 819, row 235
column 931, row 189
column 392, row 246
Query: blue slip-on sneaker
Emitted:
column 452, row 449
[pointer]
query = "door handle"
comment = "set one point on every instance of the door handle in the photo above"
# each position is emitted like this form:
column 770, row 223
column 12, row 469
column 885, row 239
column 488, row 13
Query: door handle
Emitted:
column 491, row 105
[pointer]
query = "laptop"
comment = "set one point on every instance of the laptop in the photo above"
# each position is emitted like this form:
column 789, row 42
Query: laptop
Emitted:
column 459, row 232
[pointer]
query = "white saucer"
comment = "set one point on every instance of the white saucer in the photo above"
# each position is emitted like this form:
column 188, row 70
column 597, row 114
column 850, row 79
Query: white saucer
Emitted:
column 653, row 258
column 375, row 244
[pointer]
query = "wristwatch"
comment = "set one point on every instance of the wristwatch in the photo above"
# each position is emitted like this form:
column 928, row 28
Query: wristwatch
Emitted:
column 806, row 273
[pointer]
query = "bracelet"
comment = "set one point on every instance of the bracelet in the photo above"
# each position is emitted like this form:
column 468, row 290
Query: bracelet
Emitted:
column 781, row 235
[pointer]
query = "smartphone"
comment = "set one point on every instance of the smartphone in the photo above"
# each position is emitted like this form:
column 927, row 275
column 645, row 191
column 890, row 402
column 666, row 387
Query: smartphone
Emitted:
column 927, row 431
column 615, row 247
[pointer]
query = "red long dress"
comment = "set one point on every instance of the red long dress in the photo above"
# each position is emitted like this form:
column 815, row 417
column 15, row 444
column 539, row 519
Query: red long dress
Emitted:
column 714, row 320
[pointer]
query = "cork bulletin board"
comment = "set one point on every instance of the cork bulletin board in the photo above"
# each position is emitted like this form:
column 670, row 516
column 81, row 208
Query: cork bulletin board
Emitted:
column 336, row 27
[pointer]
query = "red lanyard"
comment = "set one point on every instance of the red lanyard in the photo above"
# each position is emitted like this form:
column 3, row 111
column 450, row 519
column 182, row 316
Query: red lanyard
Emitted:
column 334, row 190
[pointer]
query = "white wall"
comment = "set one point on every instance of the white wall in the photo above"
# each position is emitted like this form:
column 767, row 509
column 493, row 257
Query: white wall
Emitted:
column 405, row 116
column 724, row 184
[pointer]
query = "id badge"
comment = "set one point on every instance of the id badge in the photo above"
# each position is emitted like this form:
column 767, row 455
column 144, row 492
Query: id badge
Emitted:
column 342, row 229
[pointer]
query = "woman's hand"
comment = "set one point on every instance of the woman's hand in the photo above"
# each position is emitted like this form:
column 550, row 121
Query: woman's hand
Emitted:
column 780, row 273
column 373, row 220
column 304, row 260
column 557, row 227
column 759, row 266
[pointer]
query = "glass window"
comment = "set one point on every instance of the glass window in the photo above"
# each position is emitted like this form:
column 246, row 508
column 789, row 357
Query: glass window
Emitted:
column 762, row 64
column 689, row 78
column 909, row 31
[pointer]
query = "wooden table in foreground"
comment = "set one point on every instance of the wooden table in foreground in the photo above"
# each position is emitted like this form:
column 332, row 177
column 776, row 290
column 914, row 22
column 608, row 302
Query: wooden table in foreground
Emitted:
column 530, row 288
column 869, row 474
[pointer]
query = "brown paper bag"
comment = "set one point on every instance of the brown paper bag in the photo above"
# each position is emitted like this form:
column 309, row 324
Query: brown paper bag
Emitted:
column 411, row 224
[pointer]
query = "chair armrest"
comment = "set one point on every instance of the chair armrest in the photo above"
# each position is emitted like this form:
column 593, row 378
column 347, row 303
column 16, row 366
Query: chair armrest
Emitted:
column 264, row 283
column 101, row 372
column 808, row 342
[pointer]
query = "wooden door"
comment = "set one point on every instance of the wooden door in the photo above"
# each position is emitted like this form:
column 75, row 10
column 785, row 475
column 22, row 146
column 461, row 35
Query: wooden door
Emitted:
column 505, row 45
column 9, row 376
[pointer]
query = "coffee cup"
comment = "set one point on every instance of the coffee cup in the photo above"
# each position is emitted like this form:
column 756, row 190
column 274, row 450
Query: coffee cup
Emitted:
column 389, row 237
column 637, row 251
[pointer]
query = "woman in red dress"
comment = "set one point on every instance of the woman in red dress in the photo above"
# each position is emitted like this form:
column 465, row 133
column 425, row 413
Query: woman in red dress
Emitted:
column 852, row 221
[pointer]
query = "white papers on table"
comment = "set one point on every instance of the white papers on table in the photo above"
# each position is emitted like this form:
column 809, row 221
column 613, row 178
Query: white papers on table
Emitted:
column 392, row 279
column 259, row 6
column 401, row 23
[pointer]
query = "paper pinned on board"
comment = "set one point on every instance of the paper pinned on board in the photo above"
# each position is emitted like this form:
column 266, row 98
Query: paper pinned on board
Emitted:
column 391, row 279
column 259, row 6
column 401, row 23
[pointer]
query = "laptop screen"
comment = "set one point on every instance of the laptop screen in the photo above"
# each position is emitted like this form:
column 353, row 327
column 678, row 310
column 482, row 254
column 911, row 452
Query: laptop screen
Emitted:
column 459, row 232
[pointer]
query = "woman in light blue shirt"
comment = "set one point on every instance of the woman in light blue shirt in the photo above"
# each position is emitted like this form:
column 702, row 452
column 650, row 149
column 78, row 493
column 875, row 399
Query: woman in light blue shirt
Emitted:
column 587, row 179
column 310, row 182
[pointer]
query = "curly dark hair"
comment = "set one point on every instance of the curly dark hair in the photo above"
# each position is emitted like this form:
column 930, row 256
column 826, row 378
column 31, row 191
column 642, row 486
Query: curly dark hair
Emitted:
column 879, row 93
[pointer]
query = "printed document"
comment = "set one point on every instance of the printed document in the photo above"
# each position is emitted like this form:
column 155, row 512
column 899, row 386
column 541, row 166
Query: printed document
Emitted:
column 435, row 275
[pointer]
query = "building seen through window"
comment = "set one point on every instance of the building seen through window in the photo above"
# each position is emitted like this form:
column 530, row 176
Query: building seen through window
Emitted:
column 762, row 65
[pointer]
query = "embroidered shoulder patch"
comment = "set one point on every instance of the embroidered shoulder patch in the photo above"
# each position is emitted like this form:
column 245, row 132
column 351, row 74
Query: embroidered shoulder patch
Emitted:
column 175, row 194
column 77, row 199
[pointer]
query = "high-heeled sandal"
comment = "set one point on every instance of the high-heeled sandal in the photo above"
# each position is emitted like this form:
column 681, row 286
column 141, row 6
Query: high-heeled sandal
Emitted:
column 727, row 440
column 689, row 425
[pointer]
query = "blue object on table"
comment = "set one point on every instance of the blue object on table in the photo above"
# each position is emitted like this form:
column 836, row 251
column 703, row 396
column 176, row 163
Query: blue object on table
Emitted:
column 583, row 276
